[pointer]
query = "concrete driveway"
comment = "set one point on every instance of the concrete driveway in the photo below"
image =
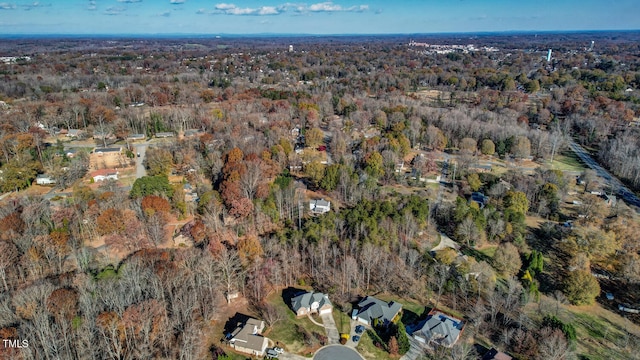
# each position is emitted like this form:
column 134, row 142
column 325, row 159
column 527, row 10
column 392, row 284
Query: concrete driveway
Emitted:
column 330, row 327
column 352, row 332
column 415, row 351
column 140, row 149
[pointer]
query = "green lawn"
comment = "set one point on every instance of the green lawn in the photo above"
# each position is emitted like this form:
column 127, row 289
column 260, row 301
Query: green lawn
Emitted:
column 489, row 250
column 343, row 321
column 567, row 161
column 369, row 351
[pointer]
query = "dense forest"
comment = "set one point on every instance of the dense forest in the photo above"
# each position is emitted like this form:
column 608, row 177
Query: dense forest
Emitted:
column 142, row 267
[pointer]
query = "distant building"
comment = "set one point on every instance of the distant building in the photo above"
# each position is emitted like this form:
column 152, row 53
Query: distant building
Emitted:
column 44, row 179
column 192, row 132
column 246, row 338
column 104, row 174
column 440, row 328
column 137, row 137
column 319, row 206
column 108, row 150
column 74, row 133
column 99, row 135
column 164, row 134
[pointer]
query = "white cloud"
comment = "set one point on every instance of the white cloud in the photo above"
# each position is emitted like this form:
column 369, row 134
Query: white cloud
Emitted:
column 114, row 10
column 7, row 6
column 165, row 14
column 327, row 6
column 232, row 9
column 129, row 1
column 177, row 2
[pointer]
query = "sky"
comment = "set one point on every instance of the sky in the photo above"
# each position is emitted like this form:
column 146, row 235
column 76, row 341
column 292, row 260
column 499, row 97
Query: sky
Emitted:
column 210, row 17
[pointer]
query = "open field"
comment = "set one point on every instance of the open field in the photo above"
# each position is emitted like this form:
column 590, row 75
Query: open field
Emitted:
column 567, row 161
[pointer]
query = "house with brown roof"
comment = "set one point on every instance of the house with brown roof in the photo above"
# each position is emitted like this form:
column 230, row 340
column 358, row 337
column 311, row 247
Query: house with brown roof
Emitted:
column 246, row 338
column 104, row 174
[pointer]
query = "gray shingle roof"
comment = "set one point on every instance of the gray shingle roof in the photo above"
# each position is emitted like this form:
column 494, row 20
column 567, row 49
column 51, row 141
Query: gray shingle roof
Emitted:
column 442, row 328
column 307, row 299
column 372, row 308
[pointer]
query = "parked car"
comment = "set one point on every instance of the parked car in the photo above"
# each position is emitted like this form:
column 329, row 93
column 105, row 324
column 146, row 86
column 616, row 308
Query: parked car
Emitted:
column 277, row 349
column 355, row 338
column 272, row 353
column 359, row 329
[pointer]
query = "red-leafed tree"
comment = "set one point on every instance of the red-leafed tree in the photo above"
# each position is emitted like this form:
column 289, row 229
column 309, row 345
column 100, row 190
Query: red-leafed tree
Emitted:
column 152, row 203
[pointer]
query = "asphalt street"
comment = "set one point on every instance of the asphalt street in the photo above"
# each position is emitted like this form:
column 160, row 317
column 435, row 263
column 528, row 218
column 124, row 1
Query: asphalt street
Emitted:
column 616, row 185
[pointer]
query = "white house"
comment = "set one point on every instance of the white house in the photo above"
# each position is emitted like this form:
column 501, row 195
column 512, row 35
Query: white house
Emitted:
column 319, row 206
column 43, row 179
column 104, row 174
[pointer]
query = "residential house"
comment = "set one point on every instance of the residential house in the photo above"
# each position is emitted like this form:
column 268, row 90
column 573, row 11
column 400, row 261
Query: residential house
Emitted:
column 43, row 179
column 319, row 206
column 74, row 133
column 440, row 328
column 193, row 132
column 164, row 134
column 104, row 174
column 479, row 198
column 374, row 312
column 310, row 302
column 137, row 137
column 107, row 150
column 99, row 135
column 190, row 193
column 246, row 338
column 71, row 152
column 495, row 354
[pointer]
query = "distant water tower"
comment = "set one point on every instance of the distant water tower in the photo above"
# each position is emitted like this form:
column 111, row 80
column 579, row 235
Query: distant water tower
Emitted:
column 549, row 56
column 591, row 47
column 290, row 48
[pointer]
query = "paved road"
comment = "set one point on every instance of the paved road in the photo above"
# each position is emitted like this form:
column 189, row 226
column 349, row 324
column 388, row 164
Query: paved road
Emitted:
column 142, row 150
column 627, row 195
column 337, row 352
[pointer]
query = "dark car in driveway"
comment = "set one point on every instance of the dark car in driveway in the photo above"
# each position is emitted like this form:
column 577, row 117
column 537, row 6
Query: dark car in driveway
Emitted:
column 359, row 329
column 355, row 338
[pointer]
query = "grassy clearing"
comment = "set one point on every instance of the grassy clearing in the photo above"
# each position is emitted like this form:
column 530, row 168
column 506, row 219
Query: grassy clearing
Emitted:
column 343, row 321
column 598, row 337
column 601, row 334
column 369, row 351
column 489, row 250
column 567, row 161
